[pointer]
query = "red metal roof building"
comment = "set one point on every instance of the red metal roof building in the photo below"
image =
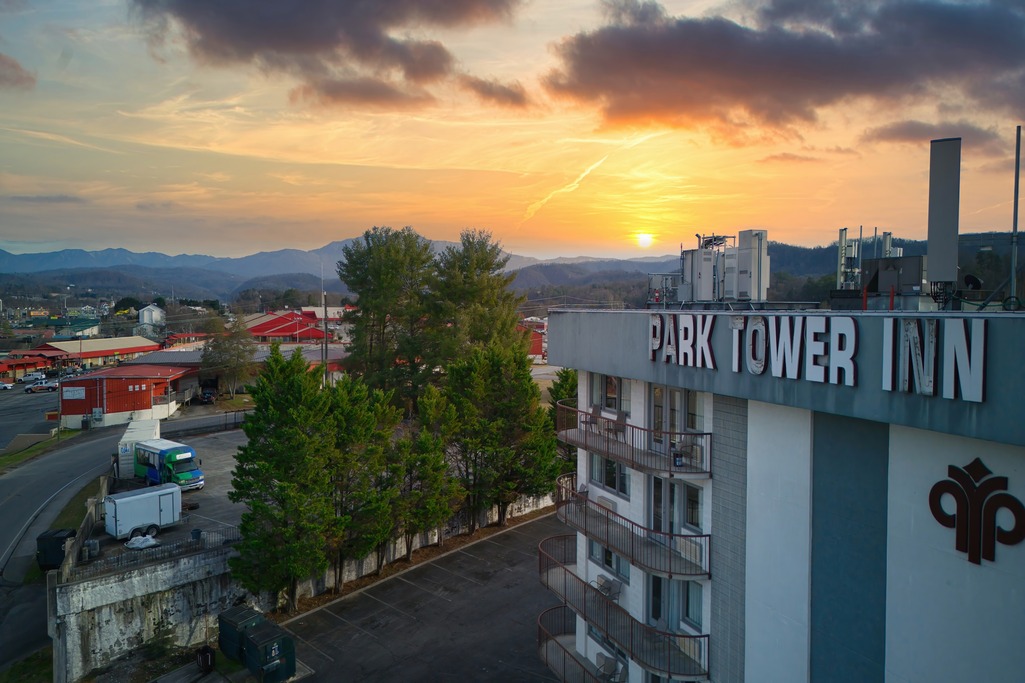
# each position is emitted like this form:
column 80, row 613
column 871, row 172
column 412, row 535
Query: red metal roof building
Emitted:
column 290, row 326
column 120, row 394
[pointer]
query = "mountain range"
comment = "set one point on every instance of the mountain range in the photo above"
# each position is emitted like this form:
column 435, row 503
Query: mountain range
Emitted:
column 122, row 272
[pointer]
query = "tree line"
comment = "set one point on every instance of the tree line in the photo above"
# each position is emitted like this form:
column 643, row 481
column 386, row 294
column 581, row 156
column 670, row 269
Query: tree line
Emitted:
column 437, row 414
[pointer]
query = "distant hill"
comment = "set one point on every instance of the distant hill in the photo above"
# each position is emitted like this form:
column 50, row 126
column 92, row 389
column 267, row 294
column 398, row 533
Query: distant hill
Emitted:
column 119, row 272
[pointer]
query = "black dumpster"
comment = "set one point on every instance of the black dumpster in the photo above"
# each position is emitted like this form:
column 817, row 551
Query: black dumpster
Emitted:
column 232, row 624
column 270, row 653
column 85, row 422
column 50, row 547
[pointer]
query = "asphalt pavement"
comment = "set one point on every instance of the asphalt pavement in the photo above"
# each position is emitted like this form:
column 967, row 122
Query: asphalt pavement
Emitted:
column 31, row 497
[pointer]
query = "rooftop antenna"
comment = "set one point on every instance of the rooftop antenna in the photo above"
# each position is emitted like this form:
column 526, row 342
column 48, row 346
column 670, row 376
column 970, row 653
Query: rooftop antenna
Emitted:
column 1014, row 218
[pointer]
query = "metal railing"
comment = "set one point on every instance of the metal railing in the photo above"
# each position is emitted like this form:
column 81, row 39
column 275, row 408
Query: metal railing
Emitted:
column 133, row 559
column 683, row 454
column 661, row 652
column 556, row 638
column 659, row 552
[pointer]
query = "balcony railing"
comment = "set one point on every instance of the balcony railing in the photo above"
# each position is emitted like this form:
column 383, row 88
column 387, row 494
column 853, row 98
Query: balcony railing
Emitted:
column 658, row 552
column 556, row 644
column 660, row 652
column 685, row 454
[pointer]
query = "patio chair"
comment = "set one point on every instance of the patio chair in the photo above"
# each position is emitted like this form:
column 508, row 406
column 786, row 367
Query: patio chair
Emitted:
column 590, row 420
column 609, row 668
column 617, row 426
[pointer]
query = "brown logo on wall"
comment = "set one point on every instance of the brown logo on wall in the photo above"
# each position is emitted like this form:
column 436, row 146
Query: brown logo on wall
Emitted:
column 977, row 498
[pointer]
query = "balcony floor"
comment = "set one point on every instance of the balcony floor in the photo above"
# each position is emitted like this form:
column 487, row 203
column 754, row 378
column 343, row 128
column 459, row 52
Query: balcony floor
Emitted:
column 641, row 551
column 643, row 459
column 581, row 670
column 654, row 650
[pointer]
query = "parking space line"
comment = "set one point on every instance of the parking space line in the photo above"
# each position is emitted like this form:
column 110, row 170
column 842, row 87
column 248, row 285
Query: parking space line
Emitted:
column 425, row 590
column 464, row 578
column 390, row 606
column 312, row 646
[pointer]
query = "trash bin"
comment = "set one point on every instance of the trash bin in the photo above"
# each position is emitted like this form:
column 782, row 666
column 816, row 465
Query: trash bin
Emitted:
column 269, row 653
column 206, row 657
column 231, row 625
column 197, row 534
column 50, row 547
column 85, row 422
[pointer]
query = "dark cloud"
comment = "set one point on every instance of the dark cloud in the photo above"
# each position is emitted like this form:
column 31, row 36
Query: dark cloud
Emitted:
column 13, row 75
column 801, row 56
column 920, row 133
column 335, row 47
column 359, row 91
column 788, row 157
column 48, row 199
column 156, row 206
column 492, row 91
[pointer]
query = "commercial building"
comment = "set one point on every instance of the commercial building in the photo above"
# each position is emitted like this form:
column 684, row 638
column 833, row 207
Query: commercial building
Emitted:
column 789, row 495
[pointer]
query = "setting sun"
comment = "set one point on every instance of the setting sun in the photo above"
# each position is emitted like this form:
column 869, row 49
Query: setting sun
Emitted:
column 644, row 240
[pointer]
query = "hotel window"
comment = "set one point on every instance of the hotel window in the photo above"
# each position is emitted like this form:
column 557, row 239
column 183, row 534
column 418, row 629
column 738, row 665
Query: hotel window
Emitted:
column 611, row 393
column 609, row 560
column 691, row 603
column 692, row 495
column 693, row 408
column 610, row 474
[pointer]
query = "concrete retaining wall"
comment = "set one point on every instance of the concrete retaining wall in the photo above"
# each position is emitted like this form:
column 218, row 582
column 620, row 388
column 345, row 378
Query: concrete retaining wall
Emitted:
column 96, row 621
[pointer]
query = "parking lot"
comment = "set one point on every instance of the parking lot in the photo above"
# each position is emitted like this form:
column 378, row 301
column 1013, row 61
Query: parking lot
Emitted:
column 470, row 615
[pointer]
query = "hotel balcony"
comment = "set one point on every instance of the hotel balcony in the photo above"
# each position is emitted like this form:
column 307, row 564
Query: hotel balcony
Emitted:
column 661, row 652
column 656, row 552
column 684, row 455
column 556, row 645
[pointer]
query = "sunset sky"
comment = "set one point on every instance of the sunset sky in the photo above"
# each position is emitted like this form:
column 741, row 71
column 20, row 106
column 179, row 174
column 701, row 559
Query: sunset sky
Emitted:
column 565, row 127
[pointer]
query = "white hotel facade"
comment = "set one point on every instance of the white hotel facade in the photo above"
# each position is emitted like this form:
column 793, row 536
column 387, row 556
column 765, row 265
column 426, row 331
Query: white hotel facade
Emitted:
column 790, row 496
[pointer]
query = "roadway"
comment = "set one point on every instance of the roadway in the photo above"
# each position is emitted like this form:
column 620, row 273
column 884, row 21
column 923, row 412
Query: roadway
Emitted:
column 31, row 497
column 22, row 413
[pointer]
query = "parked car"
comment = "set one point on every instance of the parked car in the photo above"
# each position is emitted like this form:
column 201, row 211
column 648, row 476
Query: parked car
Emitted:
column 4, row 386
column 41, row 385
column 207, row 396
column 31, row 377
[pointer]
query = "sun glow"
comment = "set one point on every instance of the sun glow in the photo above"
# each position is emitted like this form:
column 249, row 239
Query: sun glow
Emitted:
column 645, row 240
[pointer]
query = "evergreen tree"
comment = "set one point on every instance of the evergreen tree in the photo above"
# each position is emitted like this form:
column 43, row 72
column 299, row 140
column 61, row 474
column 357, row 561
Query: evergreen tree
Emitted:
column 364, row 422
column 500, row 442
column 279, row 477
column 564, row 387
column 427, row 496
column 474, row 304
column 391, row 273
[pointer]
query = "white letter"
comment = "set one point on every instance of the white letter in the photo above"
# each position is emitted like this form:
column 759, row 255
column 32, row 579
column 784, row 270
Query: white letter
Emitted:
column 686, row 340
column 655, row 343
column 970, row 368
column 704, row 340
column 784, row 347
column 814, row 348
column 843, row 344
column 756, row 346
column 670, row 343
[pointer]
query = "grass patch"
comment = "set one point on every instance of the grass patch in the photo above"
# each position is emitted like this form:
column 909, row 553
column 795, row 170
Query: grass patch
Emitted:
column 240, row 402
column 8, row 460
column 69, row 518
column 36, row 668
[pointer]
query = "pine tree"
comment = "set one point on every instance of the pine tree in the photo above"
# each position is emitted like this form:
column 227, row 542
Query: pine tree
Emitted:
column 364, row 423
column 279, row 477
column 500, row 442
column 427, row 496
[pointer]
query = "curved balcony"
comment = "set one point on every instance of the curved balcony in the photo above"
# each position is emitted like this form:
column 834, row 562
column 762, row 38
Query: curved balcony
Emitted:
column 656, row 552
column 684, row 455
column 660, row 652
column 556, row 644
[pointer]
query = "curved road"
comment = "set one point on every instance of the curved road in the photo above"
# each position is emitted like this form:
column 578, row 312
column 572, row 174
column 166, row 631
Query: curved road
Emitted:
column 31, row 497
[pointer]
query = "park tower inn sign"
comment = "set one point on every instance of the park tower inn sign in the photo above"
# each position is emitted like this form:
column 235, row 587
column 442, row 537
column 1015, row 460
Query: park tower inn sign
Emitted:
column 925, row 356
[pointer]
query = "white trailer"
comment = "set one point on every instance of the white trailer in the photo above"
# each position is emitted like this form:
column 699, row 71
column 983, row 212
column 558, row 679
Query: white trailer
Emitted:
column 138, row 430
column 144, row 511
